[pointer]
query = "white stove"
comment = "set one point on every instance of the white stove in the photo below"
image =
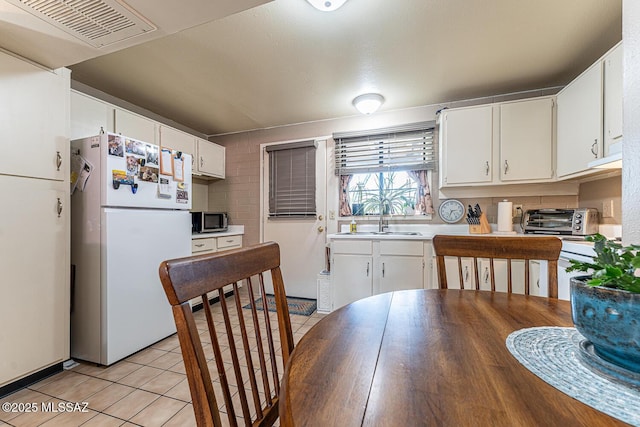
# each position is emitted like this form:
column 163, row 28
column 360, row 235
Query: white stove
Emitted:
column 576, row 249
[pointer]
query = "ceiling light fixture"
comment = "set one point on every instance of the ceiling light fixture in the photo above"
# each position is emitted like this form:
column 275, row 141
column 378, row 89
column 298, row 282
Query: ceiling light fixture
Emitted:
column 327, row 5
column 368, row 103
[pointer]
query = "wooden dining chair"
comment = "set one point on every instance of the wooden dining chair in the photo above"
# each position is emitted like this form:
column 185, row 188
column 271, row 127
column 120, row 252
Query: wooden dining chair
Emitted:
column 509, row 248
column 252, row 354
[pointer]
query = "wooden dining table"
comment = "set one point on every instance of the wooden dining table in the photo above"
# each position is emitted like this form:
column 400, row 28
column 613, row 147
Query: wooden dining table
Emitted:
column 427, row 358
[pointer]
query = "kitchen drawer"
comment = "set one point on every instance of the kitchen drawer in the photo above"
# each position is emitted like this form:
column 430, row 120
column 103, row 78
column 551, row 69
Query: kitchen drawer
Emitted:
column 229, row 242
column 401, row 247
column 352, row 247
column 203, row 245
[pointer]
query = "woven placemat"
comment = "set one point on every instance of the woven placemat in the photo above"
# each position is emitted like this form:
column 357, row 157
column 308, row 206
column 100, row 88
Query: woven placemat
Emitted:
column 552, row 353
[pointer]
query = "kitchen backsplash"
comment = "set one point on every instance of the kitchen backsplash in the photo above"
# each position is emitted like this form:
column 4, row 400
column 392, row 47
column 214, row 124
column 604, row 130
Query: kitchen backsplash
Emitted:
column 594, row 194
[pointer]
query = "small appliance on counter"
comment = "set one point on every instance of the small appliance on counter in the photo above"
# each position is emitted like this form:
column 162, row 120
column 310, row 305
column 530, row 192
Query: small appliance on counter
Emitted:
column 576, row 222
column 209, row 222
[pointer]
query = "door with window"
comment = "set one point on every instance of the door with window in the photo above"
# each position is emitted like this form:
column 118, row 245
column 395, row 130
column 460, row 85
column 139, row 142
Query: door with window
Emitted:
column 293, row 211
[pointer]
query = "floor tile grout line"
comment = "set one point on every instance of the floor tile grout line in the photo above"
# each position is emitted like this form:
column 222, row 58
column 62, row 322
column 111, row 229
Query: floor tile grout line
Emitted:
column 116, row 402
column 161, row 349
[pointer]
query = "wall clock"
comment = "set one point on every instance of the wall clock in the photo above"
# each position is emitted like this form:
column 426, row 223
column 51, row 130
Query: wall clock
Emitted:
column 451, row 210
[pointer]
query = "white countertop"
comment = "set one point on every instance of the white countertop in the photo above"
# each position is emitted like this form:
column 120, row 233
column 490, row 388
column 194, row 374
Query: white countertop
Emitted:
column 424, row 232
column 573, row 244
column 233, row 230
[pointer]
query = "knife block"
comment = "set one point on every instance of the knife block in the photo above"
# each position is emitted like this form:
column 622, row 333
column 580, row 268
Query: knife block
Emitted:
column 483, row 228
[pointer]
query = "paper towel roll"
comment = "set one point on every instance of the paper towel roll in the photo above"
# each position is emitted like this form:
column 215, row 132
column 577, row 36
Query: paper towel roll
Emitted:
column 505, row 212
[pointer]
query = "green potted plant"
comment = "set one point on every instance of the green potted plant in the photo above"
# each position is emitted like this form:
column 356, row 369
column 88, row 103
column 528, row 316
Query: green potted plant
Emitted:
column 605, row 305
column 392, row 200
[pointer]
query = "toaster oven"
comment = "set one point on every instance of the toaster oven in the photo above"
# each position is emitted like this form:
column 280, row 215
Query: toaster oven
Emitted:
column 577, row 222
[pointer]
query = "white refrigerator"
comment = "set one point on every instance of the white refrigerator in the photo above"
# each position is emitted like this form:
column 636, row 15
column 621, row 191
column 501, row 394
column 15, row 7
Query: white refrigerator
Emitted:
column 130, row 211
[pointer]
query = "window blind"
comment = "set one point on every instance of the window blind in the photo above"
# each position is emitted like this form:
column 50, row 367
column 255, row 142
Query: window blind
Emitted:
column 292, row 179
column 408, row 147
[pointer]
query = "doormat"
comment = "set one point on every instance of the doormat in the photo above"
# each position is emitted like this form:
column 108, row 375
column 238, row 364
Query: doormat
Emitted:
column 301, row 306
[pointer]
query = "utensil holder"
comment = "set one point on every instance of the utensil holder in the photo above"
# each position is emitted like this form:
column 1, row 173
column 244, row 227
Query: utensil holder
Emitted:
column 483, row 228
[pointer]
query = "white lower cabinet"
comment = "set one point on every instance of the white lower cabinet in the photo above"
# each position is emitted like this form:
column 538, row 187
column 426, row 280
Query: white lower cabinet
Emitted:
column 536, row 285
column 35, row 305
column 205, row 245
column 352, row 278
column 453, row 276
column 361, row 268
column 400, row 265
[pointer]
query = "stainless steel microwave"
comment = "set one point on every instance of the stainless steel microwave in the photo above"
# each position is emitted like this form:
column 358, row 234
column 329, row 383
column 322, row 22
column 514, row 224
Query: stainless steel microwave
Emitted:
column 209, row 222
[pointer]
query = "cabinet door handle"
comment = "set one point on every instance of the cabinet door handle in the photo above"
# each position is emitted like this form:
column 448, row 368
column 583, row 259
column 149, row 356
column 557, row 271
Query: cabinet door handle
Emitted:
column 201, row 161
column 594, row 148
column 59, row 207
column 199, row 245
column 486, row 168
column 466, row 274
column 367, row 269
column 506, row 166
column 486, row 275
column 58, row 160
column 383, row 269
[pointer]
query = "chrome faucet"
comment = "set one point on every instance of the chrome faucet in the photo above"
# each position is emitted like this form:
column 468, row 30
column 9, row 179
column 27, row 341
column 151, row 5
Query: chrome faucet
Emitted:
column 381, row 219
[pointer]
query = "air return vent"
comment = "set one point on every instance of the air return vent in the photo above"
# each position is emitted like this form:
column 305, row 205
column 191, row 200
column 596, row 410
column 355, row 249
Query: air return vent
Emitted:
column 96, row 22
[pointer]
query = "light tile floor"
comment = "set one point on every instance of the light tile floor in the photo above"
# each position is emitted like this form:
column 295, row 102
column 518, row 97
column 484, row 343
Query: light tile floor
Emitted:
column 148, row 388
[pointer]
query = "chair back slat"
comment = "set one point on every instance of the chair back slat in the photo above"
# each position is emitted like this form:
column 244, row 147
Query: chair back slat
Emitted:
column 509, row 248
column 258, row 336
column 236, row 357
column 217, row 354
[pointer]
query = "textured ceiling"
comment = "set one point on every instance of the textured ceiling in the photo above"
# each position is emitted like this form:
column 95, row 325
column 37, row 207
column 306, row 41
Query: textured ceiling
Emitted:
column 284, row 62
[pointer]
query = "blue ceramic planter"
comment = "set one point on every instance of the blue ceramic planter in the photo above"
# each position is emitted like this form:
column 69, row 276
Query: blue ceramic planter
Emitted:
column 610, row 319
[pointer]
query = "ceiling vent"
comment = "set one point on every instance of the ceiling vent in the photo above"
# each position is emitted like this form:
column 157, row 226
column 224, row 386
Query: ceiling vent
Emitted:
column 96, row 22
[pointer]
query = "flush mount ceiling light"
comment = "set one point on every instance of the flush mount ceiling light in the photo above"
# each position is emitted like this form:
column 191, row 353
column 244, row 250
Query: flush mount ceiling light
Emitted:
column 327, row 5
column 368, row 103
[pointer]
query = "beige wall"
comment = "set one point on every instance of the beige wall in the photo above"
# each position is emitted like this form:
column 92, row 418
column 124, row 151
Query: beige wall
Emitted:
column 594, row 194
column 199, row 194
column 239, row 193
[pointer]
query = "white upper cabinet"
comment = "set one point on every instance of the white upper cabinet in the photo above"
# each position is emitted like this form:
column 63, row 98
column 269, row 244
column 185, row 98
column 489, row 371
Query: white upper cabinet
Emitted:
column 466, row 139
column 135, row 126
column 208, row 158
column 34, row 120
column 89, row 115
column 526, row 140
column 590, row 115
column 211, row 159
column 580, row 122
column 177, row 140
column 612, row 97
column 510, row 142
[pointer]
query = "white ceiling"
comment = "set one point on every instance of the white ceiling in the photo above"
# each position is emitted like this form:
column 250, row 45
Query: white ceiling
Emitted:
column 284, row 62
